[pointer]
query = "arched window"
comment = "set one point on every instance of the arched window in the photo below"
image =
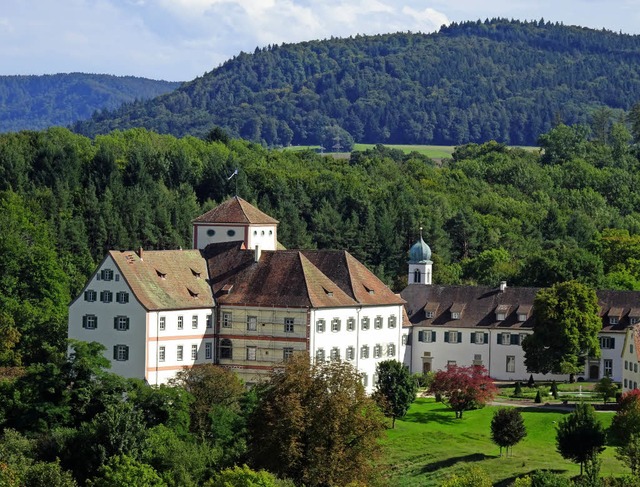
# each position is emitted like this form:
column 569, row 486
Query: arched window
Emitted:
column 416, row 276
column 226, row 348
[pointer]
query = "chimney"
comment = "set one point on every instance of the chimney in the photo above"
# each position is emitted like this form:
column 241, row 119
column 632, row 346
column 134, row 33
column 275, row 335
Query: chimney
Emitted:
column 140, row 253
column 503, row 286
column 257, row 253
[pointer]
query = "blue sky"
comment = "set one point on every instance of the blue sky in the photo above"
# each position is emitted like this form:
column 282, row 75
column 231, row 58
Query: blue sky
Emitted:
column 179, row 40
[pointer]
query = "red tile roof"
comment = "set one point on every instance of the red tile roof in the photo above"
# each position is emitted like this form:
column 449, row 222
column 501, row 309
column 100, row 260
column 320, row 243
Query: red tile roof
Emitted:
column 166, row 279
column 293, row 278
column 236, row 210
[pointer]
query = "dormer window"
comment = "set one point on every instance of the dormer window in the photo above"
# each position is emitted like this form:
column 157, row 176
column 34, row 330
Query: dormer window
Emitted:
column 195, row 273
column 614, row 315
column 523, row 312
column 634, row 320
column 161, row 275
column 501, row 312
column 429, row 314
column 456, row 311
column 613, row 320
column 455, row 315
column 369, row 290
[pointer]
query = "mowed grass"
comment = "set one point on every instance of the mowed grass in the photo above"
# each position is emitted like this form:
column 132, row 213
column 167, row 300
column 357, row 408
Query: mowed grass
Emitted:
column 429, row 445
column 433, row 151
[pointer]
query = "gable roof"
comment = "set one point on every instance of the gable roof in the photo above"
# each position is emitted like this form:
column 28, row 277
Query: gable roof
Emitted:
column 293, row 278
column 166, row 279
column 237, row 211
column 481, row 303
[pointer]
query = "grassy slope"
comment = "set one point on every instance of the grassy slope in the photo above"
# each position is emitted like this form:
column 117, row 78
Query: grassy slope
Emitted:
column 430, row 444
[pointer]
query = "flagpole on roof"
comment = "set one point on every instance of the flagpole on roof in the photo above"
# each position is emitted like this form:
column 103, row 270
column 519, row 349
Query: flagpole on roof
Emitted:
column 234, row 173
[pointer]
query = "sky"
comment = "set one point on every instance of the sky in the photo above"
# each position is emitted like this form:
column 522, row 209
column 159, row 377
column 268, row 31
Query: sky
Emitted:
column 179, row 40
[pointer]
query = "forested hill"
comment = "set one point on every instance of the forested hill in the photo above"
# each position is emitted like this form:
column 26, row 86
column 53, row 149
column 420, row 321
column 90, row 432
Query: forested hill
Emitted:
column 37, row 102
column 471, row 82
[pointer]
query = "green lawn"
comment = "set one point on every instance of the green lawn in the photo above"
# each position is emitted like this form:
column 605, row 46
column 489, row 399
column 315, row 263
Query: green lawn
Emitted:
column 429, row 445
column 433, row 151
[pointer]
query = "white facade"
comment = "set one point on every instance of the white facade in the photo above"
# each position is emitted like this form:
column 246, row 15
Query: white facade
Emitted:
column 362, row 336
column 630, row 358
column 108, row 312
column 264, row 236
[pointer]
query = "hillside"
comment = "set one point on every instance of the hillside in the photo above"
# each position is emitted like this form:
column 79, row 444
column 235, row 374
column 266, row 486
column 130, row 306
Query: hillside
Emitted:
column 470, row 82
column 38, row 102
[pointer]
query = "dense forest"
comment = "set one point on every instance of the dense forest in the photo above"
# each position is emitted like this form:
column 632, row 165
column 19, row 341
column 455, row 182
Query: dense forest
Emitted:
column 491, row 213
column 39, row 102
column 500, row 80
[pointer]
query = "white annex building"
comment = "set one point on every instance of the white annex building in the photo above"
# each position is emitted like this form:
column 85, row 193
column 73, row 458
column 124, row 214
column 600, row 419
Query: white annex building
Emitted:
column 480, row 325
column 238, row 299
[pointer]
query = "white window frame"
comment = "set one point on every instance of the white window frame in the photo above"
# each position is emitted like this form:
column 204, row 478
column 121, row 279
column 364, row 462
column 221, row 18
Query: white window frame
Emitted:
column 208, row 350
column 226, row 320
column 122, row 297
column 106, row 296
column 180, row 322
column 507, row 336
column 287, row 353
column 320, row 355
column 522, row 317
column 377, row 323
column 510, row 364
column 453, row 337
column 252, row 323
column 350, row 353
column 320, row 326
column 364, row 351
column 162, row 353
column 121, row 353
column 162, row 323
column 391, row 350
column 209, row 321
column 455, row 315
column 90, row 322
column 607, row 365
column 335, row 325
column 194, row 322
column 289, row 325
column 377, row 351
column 90, row 296
column 335, row 353
column 351, row 324
column 179, row 353
column 391, row 321
column 122, row 323
column 365, row 323
column 252, row 353
column 479, row 338
column 194, row 352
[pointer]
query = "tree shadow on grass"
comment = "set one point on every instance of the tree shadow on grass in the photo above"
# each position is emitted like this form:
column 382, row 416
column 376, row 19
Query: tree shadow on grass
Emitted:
column 449, row 462
column 441, row 415
column 507, row 482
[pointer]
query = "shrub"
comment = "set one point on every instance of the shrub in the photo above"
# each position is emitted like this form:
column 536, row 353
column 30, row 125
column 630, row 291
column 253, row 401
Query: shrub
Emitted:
column 517, row 391
column 538, row 398
column 532, row 383
column 554, row 390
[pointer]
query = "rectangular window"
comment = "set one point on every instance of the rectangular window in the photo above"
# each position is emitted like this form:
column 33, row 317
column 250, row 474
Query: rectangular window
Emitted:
column 251, row 353
column 209, row 322
column 455, row 315
column 320, row 326
column 121, row 323
column 106, row 296
column 428, row 314
column 194, row 352
column 252, row 323
column 351, row 324
column 365, row 380
column 180, row 322
column 208, row 351
column 478, row 338
column 226, row 320
column 364, row 324
column 613, row 320
column 500, row 316
column 287, row 353
column 427, row 336
column 122, row 297
column 404, row 339
column 163, row 323
column 179, row 352
column 90, row 322
column 504, row 338
column 634, row 320
column 377, row 351
column 392, row 321
column 608, row 367
column 117, row 276
column 335, row 325
column 288, row 325
column 106, row 274
column 451, row 363
column 320, row 355
column 194, row 321
column 511, row 363
column 607, row 342
column 121, row 353
column 335, row 353
column 391, row 350
column 90, row 295
column 351, row 353
column 522, row 317
column 364, row 351
column 161, row 354
column 377, row 324
column 451, row 336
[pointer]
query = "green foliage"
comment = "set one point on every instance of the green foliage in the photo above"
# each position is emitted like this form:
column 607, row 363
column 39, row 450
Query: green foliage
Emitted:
column 315, row 425
column 626, row 421
column 395, row 390
column 472, row 477
column 245, row 477
column 392, row 89
column 554, row 389
column 124, row 471
column 538, row 398
column 565, row 331
column 517, row 392
column 629, row 453
column 580, row 436
column 606, row 388
column 545, row 478
column 507, row 428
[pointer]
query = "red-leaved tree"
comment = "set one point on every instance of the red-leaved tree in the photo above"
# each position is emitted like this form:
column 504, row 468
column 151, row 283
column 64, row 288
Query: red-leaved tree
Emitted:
column 463, row 388
column 626, row 422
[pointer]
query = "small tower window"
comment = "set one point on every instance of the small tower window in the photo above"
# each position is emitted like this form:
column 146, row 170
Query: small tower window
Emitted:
column 416, row 276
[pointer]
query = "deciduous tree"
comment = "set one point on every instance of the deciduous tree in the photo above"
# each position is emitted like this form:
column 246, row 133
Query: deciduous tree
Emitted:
column 507, row 428
column 463, row 388
column 315, row 424
column 580, row 436
column 565, row 330
column 396, row 389
column 626, row 421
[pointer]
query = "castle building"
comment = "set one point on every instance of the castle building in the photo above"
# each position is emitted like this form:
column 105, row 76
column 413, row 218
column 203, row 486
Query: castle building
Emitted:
column 480, row 325
column 238, row 299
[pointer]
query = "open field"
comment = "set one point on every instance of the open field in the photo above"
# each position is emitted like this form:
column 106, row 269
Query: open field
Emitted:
column 429, row 445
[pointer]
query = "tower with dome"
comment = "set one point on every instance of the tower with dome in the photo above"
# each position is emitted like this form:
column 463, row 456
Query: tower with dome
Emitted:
column 420, row 264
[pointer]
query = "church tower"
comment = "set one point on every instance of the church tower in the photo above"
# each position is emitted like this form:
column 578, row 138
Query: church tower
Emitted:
column 420, row 263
